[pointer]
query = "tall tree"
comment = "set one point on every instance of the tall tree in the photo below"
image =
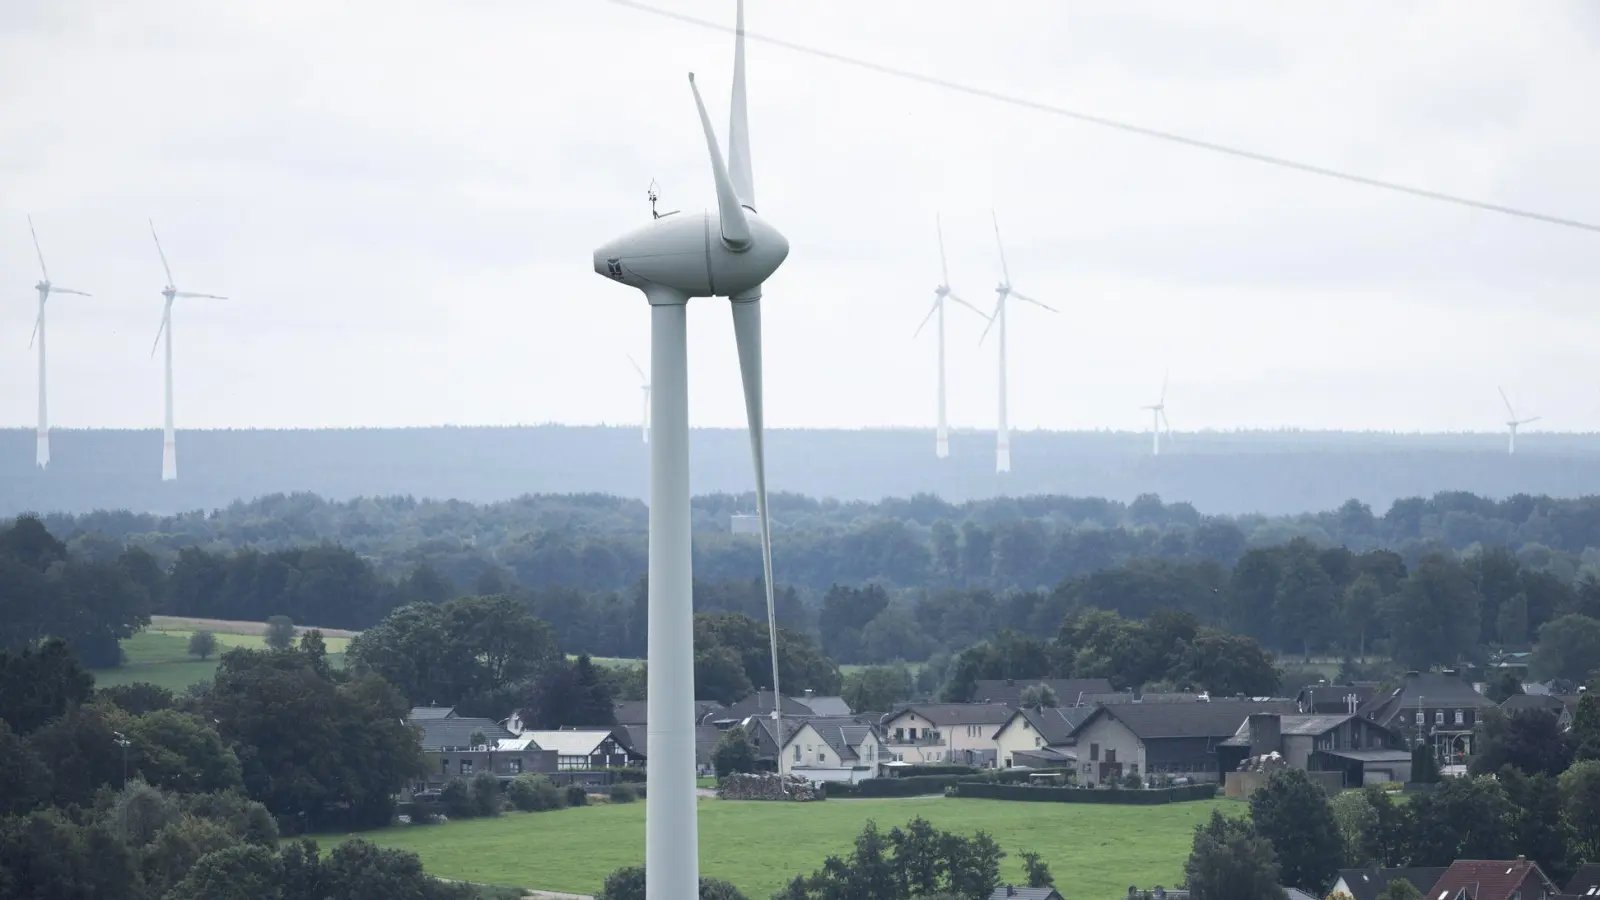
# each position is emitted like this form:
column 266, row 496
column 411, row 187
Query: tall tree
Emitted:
column 1292, row 811
column 1230, row 861
column 1434, row 617
column 1361, row 602
column 1568, row 647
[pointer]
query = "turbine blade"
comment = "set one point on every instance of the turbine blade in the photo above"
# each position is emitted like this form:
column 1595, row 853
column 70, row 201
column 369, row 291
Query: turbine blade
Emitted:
column 747, row 334
column 1165, row 423
column 1004, row 272
column 739, row 124
column 58, row 290
column 36, row 248
column 991, row 323
column 166, row 268
column 1164, row 390
column 967, row 305
column 1534, row 419
column 200, row 296
column 1503, row 399
column 735, row 229
column 1025, row 298
column 643, row 378
column 944, row 271
column 166, row 316
column 925, row 319
column 37, row 324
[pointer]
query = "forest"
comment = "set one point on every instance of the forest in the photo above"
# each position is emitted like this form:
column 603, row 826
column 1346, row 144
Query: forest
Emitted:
column 1269, row 472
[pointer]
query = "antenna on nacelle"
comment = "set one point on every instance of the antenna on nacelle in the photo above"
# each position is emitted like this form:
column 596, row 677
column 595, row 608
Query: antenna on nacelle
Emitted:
column 654, row 192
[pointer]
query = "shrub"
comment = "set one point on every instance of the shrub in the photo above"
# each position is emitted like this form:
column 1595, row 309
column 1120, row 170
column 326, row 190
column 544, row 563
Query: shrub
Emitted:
column 280, row 632
column 628, row 884
column 982, row 791
column 534, row 793
column 456, row 798
column 577, row 795
column 623, row 793
column 485, row 794
column 202, row 644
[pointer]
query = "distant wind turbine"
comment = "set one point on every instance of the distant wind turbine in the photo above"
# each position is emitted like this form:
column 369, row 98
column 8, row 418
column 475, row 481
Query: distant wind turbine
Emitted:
column 1158, row 418
column 41, row 452
column 941, row 442
column 169, row 445
column 644, row 385
column 1513, row 422
column 1002, row 450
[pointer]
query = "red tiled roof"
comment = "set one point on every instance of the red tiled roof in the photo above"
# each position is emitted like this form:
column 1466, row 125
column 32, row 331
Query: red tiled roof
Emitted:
column 1488, row 879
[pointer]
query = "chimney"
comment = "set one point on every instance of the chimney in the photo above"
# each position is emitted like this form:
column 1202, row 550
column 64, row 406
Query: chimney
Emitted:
column 809, row 692
column 1521, row 858
column 1010, row 891
column 1266, row 733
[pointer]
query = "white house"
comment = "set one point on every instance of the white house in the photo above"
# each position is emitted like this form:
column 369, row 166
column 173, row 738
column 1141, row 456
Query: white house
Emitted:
column 945, row 733
column 831, row 751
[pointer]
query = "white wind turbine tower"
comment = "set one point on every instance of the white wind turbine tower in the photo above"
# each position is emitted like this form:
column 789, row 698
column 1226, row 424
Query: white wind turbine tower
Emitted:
column 1158, row 418
column 941, row 444
column 1513, row 422
column 1002, row 450
column 728, row 253
column 169, row 446
column 644, row 385
column 41, row 452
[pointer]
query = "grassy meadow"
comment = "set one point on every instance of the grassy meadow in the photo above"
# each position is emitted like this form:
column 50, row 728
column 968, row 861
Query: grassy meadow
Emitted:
column 1094, row 851
column 160, row 654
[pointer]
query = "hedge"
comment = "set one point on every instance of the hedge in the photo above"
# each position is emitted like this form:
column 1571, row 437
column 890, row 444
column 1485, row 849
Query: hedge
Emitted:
column 910, row 786
column 987, row 791
column 919, row 769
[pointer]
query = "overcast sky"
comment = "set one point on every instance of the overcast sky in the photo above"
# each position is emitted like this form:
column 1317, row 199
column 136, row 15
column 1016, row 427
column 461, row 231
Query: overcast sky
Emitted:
column 402, row 198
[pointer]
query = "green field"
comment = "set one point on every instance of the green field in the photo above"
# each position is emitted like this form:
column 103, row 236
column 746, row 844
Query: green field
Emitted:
column 1094, row 851
column 162, row 658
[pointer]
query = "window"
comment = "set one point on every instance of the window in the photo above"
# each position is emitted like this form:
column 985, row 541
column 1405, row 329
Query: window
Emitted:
column 796, row 752
column 912, row 732
column 515, row 766
column 444, row 766
column 1094, row 752
column 1038, row 742
column 1419, row 717
column 822, row 759
column 899, row 734
column 1461, row 717
column 1438, row 717
column 466, row 767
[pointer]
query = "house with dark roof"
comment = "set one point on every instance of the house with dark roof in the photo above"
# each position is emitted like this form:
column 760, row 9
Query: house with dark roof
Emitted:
column 1554, row 704
column 418, row 713
column 945, row 732
column 1439, row 708
column 458, row 746
column 1367, row 884
column 1477, row 879
column 1162, row 738
column 833, row 749
column 757, row 704
column 1336, row 698
column 1044, row 735
column 1585, row 882
column 1359, row 749
column 1008, row 691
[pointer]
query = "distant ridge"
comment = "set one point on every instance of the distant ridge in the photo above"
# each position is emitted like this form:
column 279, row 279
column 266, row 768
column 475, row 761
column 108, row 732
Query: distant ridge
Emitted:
column 1270, row 472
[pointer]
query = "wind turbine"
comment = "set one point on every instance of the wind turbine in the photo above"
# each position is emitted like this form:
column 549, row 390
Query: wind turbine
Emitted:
column 644, row 385
column 941, row 443
column 169, row 446
column 1002, row 449
column 1513, row 422
column 41, row 452
column 1158, row 418
column 728, row 253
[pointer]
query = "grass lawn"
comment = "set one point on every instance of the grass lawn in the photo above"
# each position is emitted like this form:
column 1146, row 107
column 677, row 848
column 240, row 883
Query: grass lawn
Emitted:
column 1094, row 851
column 161, row 657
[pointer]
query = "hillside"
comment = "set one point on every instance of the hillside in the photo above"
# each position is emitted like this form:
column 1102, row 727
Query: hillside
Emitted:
column 1274, row 473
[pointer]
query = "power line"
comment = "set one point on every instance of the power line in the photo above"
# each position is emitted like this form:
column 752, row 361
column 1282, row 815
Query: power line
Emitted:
column 1122, row 126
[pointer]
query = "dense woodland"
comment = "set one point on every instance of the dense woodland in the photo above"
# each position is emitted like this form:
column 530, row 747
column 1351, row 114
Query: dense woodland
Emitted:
column 1273, row 472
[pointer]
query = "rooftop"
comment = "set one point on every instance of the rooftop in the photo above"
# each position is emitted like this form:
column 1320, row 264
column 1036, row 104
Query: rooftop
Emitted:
column 1487, row 879
column 1215, row 719
column 946, row 714
column 1008, row 691
column 455, row 732
column 1367, row 884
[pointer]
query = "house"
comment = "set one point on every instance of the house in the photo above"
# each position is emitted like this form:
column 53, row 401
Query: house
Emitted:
column 760, row 731
column 1360, row 750
column 1438, row 708
column 1476, row 879
column 827, row 749
column 757, row 704
column 454, row 745
column 588, row 748
column 945, row 732
column 1336, row 698
column 1008, row 691
column 1162, row 738
column 418, row 713
column 1585, row 882
column 1012, row 892
column 1367, row 884
column 1562, row 707
column 1041, row 734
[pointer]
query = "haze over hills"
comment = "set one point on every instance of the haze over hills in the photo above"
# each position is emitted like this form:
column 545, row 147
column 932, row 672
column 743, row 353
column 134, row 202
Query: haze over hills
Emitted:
column 1219, row 472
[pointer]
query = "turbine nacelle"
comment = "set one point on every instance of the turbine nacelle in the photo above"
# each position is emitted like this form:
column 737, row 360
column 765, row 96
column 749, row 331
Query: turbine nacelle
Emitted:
column 688, row 254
